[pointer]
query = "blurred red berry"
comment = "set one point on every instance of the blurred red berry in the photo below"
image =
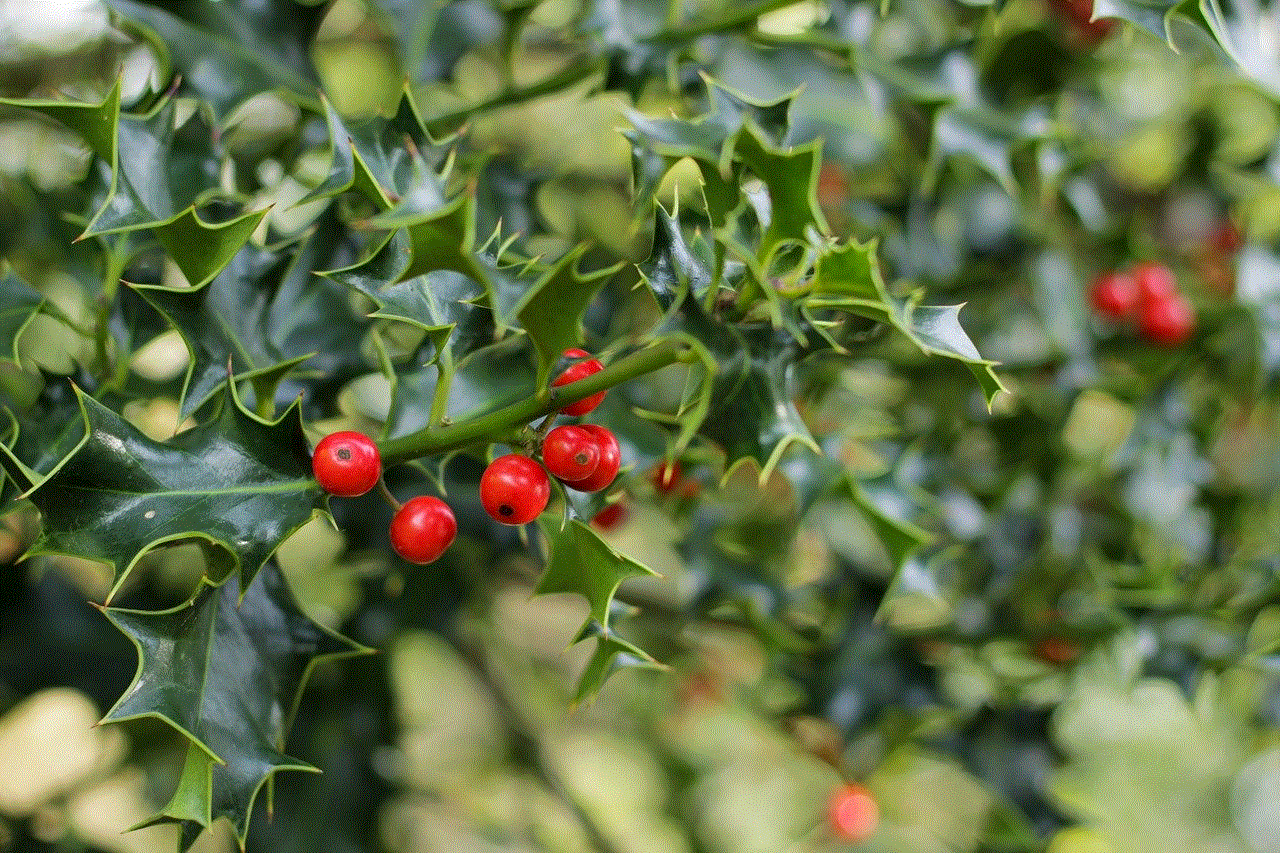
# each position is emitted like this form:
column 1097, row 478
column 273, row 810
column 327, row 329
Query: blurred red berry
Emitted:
column 666, row 476
column 852, row 813
column 1168, row 322
column 1056, row 650
column 611, row 517
column 1114, row 295
column 1155, row 281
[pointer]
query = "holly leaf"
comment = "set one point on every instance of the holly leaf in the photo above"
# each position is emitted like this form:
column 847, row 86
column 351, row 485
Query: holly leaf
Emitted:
column 611, row 654
column 551, row 311
column 751, row 414
column 579, row 561
column 438, row 302
column 673, row 268
column 880, row 501
column 377, row 157
column 229, row 53
column 484, row 381
column 1157, row 17
column 227, row 672
column 430, row 38
column 237, row 482
column 264, row 310
column 38, row 437
column 155, row 173
column 19, row 305
column 847, row 278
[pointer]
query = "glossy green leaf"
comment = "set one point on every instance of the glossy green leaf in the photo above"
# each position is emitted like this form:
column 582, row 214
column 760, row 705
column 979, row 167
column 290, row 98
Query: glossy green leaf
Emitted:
column 227, row 672
column 552, row 309
column 229, row 53
column 579, row 561
column 848, row 278
column 611, row 654
column 264, row 310
column 377, row 157
column 19, row 304
column 238, row 482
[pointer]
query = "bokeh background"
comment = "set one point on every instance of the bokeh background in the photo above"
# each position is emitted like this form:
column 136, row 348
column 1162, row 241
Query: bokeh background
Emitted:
column 1036, row 687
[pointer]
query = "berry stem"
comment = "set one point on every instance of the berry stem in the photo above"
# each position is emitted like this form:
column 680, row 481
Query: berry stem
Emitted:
column 433, row 441
column 387, row 496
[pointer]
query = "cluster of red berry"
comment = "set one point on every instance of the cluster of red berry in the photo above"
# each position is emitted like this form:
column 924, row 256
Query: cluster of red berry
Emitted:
column 1150, row 295
column 514, row 488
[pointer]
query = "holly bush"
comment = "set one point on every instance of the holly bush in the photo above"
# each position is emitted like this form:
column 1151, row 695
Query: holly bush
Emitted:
column 939, row 341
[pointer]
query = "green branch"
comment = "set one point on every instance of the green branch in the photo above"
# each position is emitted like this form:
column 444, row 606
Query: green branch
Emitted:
column 434, row 441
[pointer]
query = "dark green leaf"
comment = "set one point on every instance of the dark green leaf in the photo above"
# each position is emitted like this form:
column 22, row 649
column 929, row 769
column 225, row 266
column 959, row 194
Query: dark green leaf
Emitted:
column 228, row 53
column 579, row 561
column 238, row 482
column 227, row 673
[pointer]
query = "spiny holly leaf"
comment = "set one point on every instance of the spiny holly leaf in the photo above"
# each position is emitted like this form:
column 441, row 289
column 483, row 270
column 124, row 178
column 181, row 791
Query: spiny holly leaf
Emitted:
column 752, row 415
column 155, row 174
column 19, row 304
column 551, row 311
column 579, row 561
column 38, row 437
column 437, row 302
column 227, row 673
column 265, row 309
column 736, row 131
column 881, row 503
column 674, row 268
column 847, row 278
column 228, row 53
column 237, row 482
column 1157, row 17
column 444, row 238
column 611, row 654
column 376, row 157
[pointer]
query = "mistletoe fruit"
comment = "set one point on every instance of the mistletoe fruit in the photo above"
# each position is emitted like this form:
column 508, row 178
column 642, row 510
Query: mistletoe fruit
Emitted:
column 423, row 529
column 1114, row 295
column 610, row 461
column 580, row 370
column 514, row 489
column 667, row 477
column 1155, row 282
column 1168, row 322
column 571, row 453
column 852, row 813
column 346, row 464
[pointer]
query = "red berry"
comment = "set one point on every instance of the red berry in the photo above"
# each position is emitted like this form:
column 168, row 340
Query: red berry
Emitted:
column 1168, row 322
column 610, row 461
column 574, row 372
column 514, row 489
column 610, row 517
column 422, row 529
column 667, row 476
column 1114, row 295
column 346, row 464
column 570, row 453
column 1155, row 283
column 852, row 813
